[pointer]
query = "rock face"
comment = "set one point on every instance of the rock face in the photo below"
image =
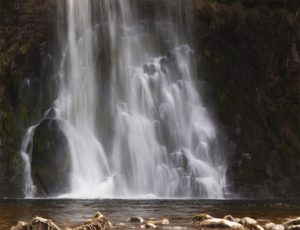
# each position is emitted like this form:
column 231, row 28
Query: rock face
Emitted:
column 50, row 159
column 249, row 56
column 26, row 72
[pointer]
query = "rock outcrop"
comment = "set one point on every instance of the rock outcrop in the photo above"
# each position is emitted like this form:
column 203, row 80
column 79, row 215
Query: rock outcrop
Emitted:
column 51, row 164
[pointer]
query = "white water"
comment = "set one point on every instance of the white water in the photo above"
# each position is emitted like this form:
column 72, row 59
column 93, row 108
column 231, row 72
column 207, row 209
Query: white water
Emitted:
column 26, row 152
column 77, row 104
column 163, row 142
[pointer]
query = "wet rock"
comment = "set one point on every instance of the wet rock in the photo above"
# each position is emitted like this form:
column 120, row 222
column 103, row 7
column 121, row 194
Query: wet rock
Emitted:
column 250, row 223
column 98, row 215
column 254, row 227
column 98, row 222
column 291, row 222
column 20, row 226
column 121, row 224
column 263, row 221
column 230, row 218
column 149, row 69
column 51, row 113
column 163, row 65
column 202, row 217
column 136, row 219
column 247, row 221
column 219, row 223
column 37, row 223
column 50, row 159
column 272, row 226
column 159, row 222
column 293, row 227
column 175, row 228
column 88, row 221
column 148, row 226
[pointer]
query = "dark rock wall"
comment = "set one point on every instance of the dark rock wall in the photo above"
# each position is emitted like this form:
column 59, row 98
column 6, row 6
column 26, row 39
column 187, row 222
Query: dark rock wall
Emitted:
column 247, row 53
column 250, row 58
column 26, row 31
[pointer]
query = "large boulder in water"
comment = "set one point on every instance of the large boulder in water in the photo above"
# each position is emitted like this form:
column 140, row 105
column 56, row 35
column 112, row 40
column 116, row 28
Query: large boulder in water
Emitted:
column 50, row 159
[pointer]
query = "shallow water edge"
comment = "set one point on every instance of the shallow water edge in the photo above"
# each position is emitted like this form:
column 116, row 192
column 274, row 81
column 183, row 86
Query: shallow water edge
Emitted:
column 179, row 212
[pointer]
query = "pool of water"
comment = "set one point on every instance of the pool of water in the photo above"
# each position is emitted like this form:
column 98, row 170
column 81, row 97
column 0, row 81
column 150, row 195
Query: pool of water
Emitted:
column 179, row 212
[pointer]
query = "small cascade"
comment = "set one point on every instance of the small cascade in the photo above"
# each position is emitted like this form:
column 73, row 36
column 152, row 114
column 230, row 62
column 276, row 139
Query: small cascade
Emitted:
column 26, row 152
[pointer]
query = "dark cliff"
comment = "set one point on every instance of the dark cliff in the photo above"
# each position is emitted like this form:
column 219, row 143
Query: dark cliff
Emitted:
column 26, row 31
column 248, row 52
column 250, row 56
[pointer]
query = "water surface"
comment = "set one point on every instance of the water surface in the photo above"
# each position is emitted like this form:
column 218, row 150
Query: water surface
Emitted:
column 179, row 212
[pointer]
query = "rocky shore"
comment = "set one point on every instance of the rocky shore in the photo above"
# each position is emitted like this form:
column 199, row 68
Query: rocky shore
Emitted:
column 199, row 221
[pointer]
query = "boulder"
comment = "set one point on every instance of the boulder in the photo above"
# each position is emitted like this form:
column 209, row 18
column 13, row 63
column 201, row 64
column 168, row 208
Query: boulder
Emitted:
column 37, row 223
column 230, row 218
column 293, row 227
column 254, row 227
column 247, row 221
column 50, row 159
column 136, row 219
column 159, row 222
column 148, row 226
column 272, row 226
column 98, row 222
column 202, row 217
column 250, row 223
column 20, row 226
column 219, row 223
column 295, row 221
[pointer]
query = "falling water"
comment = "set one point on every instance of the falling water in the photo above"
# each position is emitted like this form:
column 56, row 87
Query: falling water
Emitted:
column 77, row 104
column 26, row 150
column 134, row 120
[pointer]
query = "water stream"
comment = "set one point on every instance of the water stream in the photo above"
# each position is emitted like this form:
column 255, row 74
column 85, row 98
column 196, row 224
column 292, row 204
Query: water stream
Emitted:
column 131, row 109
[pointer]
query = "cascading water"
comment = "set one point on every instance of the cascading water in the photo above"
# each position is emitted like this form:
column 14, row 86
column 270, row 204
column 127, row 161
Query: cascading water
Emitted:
column 161, row 141
column 77, row 104
column 29, row 188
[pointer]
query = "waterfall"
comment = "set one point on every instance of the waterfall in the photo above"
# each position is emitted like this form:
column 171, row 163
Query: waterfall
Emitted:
column 77, row 104
column 128, row 98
